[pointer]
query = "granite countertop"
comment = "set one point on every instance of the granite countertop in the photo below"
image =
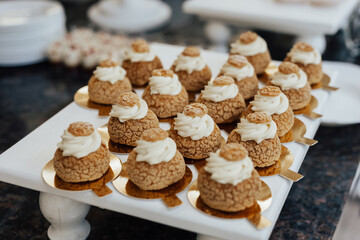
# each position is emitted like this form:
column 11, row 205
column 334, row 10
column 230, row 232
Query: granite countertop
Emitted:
column 32, row 94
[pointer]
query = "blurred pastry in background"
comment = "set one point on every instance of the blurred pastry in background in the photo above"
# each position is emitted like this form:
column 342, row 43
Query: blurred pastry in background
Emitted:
column 155, row 163
column 195, row 132
column 239, row 68
column 222, row 98
column 84, row 47
column 229, row 182
column 257, row 133
column 165, row 95
column 271, row 100
column 294, row 84
column 191, row 69
column 139, row 62
column 308, row 59
column 108, row 82
column 129, row 118
column 81, row 156
column 254, row 48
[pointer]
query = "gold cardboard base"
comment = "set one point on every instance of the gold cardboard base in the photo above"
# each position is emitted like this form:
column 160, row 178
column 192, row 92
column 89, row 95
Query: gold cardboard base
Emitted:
column 253, row 213
column 309, row 109
column 281, row 167
column 81, row 97
column 297, row 133
column 168, row 195
column 272, row 68
column 324, row 84
column 97, row 186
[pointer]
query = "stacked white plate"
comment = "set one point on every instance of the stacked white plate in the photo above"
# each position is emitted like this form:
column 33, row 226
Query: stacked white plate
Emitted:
column 27, row 28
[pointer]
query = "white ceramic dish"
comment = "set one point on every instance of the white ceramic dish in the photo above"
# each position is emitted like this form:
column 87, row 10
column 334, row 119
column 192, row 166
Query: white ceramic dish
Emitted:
column 343, row 106
column 22, row 165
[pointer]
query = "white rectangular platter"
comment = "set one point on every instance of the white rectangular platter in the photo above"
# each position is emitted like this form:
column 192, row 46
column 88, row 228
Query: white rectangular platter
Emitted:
column 274, row 16
column 22, row 165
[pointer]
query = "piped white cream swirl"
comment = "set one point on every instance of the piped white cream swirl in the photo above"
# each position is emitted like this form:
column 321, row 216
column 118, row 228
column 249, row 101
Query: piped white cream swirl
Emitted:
column 289, row 81
column 165, row 85
column 195, row 128
column 79, row 146
column 228, row 172
column 155, row 152
column 238, row 73
column 219, row 93
column 110, row 74
column 139, row 57
column 250, row 49
column 256, row 131
column 189, row 64
column 298, row 56
column 270, row 105
column 124, row 113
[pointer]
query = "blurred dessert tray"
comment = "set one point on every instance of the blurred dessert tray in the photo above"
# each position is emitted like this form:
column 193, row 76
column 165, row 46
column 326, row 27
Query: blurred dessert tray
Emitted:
column 309, row 22
column 22, row 165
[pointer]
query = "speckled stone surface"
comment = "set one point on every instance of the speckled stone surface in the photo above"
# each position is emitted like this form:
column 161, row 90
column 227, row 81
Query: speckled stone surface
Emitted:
column 31, row 95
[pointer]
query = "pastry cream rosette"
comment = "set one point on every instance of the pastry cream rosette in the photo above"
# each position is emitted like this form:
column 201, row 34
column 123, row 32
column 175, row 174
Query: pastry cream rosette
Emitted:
column 229, row 182
column 254, row 48
column 129, row 118
column 293, row 82
column 165, row 95
column 195, row 132
column 192, row 70
column 155, row 163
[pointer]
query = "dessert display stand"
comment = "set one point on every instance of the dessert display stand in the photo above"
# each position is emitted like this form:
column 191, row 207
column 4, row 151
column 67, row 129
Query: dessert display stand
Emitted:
column 308, row 22
column 67, row 217
column 22, row 165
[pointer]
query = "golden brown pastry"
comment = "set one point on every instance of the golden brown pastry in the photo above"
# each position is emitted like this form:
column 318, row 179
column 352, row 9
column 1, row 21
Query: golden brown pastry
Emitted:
column 229, row 182
column 222, row 99
column 195, row 132
column 155, row 163
column 270, row 99
column 108, row 82
column 165, row 95
column 191, row 69
column 243, row 72
column 81, row 156
column 254, row 48
column 294, row 84
column 139, row 62
column 129, row 118
column 257, row 133
column 308, row 59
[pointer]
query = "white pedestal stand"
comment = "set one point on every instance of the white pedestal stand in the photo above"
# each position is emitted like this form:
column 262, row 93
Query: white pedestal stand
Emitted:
column 318, row 42
column 67, row 217
column 219, row 34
